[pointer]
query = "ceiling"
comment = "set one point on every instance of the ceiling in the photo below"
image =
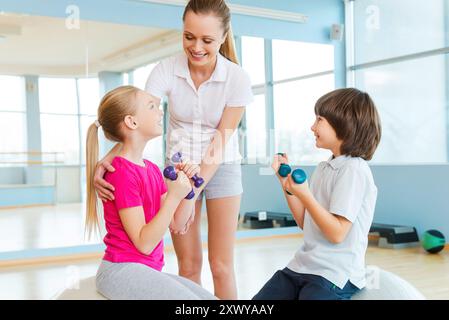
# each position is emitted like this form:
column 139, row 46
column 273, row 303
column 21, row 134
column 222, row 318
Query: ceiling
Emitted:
column 45, row 46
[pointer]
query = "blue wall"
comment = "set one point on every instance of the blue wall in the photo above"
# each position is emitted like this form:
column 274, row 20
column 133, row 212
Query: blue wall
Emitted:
column 412, row 195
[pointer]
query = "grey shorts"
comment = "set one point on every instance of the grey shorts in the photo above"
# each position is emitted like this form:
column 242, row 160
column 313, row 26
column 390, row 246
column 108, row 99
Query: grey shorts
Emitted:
column 227, row 182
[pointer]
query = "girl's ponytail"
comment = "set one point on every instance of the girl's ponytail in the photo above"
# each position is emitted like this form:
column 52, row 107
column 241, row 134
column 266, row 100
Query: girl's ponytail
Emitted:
column 92, row 223
column 114, row 107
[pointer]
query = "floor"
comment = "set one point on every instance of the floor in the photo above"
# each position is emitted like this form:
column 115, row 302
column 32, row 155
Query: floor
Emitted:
column 256, row 258
column 42, row 227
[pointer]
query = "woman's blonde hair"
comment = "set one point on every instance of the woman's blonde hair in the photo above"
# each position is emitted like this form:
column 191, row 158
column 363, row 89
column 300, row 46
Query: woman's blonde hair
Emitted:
column 221, row 10
column 113, row 109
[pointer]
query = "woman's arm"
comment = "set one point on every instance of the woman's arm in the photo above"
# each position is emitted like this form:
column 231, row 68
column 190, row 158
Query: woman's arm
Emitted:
column 103, row 188
column 214, row 155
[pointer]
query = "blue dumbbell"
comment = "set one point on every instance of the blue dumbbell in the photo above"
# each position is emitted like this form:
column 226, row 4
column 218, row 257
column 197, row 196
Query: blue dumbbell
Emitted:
column 298, row 175
column 170, row 173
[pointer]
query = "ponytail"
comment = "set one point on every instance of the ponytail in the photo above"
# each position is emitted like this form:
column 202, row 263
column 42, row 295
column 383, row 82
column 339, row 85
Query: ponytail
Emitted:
column 92, row 223
column 114, row 107
column 227, row 49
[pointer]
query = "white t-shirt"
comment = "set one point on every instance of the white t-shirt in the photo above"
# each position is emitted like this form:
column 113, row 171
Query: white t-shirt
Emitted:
column 345, row 187
column 194, row 115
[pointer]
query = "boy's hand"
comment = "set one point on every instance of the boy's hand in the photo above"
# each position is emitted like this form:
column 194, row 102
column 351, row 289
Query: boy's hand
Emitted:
column 298, row 190
column 277, row 161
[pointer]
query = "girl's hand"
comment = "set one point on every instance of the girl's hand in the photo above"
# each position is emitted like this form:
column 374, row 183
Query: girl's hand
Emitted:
column 180, row 187
column 102, row 187
column 189, row 168
column 298, row 190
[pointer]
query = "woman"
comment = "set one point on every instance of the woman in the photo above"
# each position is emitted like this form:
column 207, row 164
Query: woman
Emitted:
column 207, row 93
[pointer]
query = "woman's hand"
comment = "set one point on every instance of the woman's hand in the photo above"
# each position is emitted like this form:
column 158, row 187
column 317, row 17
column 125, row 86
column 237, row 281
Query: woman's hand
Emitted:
column 189, row 168
column 183, row 217
column 102, row 187
column 186, row 227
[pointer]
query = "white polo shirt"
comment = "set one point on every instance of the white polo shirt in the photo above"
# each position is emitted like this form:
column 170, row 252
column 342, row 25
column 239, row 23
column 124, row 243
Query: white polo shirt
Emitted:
column 345, row 187
column 194, row 114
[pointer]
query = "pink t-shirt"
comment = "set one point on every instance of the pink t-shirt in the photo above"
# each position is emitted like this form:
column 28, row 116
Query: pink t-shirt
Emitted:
column 134, row 186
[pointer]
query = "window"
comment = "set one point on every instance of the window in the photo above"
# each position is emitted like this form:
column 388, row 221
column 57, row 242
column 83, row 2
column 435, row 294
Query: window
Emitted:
column 58, row 96
column 89, row 97
column 256, row 134
column 293, row 59
column 411, row 100
column 140, row 75
column 12, row 94
column 154, row 149
column 12, row 114
column 253, row 59
column 302, row 72
column 381, row 33
column 294, row 115
column 58, row 103
column 407, row 77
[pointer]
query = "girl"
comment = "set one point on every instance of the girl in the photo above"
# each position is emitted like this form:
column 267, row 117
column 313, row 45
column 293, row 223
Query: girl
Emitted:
column 207, row 92
column 337, row 211
column 143, row 207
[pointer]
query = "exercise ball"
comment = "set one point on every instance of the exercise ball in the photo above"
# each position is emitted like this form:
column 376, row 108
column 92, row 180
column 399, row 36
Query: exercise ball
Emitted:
column 433, row 241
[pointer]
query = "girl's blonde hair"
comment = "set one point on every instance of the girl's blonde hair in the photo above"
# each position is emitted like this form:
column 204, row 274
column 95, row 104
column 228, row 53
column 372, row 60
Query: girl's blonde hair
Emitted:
column 113, row 109
column 221, row 10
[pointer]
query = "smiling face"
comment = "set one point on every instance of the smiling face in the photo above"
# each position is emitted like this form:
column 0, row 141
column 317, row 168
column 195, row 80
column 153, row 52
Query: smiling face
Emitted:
column 148, row 115
column 202, row 37
column 325, row 136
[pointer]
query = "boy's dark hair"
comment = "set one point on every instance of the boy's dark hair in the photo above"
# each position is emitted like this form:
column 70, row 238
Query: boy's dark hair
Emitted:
column 354, row 117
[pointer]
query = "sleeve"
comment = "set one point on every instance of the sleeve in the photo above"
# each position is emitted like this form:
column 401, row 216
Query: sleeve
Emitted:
column 160, row 179
column 348, row 192
column 127, row 190
column 240, row 93
column 158, row 81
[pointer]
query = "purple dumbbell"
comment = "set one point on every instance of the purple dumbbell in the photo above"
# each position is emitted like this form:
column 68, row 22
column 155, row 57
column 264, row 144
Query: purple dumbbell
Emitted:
column 197, row 181
column 170, row 173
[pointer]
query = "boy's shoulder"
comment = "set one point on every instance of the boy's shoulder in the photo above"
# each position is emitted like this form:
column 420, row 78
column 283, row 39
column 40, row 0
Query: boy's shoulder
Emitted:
column 345, row 164
column 359, row 167
column 356, row 163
